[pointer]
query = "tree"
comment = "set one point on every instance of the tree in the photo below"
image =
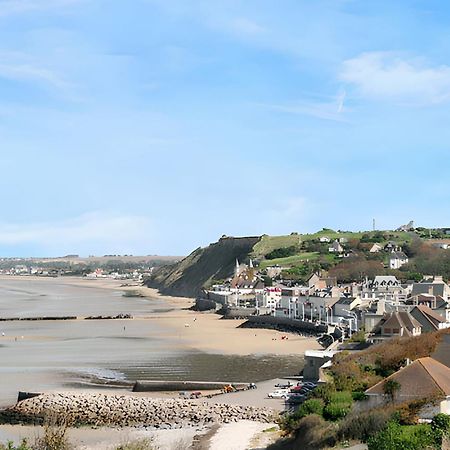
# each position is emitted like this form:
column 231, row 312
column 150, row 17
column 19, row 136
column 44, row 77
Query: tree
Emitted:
column 390, row 388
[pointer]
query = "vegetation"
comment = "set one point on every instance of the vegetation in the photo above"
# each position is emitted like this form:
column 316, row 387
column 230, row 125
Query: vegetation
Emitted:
column 326, row 418
column 359, row 371
column 390, row 388
column 282, row 252
column 397, row 437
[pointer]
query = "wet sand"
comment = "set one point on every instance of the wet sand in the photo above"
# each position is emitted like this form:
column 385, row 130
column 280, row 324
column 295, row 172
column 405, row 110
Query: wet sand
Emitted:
column 164, row 340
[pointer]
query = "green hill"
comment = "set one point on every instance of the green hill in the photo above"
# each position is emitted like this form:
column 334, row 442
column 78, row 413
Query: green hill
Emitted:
column 300, row 255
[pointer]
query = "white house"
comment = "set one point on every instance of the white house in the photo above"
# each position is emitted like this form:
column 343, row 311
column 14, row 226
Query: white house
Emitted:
column 336, row 247
column 397, row 260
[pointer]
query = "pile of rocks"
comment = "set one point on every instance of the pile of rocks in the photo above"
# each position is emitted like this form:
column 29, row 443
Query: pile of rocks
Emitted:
column 126, row 410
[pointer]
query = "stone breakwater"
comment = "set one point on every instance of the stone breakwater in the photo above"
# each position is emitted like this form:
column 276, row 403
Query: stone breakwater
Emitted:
column 126, row 410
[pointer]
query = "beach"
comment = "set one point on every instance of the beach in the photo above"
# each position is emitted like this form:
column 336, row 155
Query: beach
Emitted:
column 164, row 340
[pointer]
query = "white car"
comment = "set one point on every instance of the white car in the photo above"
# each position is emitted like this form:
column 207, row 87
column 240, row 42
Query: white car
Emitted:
column 281, row 393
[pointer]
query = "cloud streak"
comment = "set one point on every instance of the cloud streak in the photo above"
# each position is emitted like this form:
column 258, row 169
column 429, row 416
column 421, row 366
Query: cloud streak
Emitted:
column 98, row 231
column 386, row 76
column 332, row 110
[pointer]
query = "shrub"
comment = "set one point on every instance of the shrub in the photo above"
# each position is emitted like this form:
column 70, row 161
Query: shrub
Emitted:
column 441, row 427
column 10, row 446
column 313, row 406
column 282, row 252
column 359, row 396
column 396, row 437
column 324, row 391
column 139, row 444
column 341, row 397
column 314, row 433
column 336, row 411
column 361, row 426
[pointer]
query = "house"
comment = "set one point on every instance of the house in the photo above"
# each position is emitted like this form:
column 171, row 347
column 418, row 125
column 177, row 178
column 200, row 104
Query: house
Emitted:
column 437, row 287
column 386, row 287
column 397, row 260
column 425, row 378
column 344, row 305
column 319, row 282
column 396, row 324
column 324, row 239
column 391, row 246
column 430, row 320
column 375, row 248
column 336, row 247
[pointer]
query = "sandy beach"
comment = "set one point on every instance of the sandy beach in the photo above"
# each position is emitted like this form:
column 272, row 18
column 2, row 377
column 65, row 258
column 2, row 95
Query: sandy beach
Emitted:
column 164, row 339
column 208, row 332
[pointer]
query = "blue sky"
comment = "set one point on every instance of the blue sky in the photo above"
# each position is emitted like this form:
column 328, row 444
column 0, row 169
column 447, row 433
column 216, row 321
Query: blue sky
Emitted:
column 156, row 126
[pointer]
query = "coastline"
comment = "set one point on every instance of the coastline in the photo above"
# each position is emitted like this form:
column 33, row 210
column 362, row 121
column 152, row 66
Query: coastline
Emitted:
column 208, row 332
column 202, row 331
column 191, row 330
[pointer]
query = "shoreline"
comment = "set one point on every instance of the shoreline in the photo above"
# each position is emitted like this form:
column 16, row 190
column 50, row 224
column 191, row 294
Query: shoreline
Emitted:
column 203, row 331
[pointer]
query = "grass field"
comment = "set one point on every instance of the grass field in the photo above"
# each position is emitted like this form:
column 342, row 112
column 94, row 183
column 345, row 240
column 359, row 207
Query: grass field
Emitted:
column 290, row 260
column 269, row 243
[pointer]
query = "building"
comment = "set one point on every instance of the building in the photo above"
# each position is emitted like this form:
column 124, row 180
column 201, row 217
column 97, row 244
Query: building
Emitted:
column 375, row 248
column 436, row 287
column 424, row 378
column 396, row 324
column 429, row 319
column 336, row 247
column 397, row 260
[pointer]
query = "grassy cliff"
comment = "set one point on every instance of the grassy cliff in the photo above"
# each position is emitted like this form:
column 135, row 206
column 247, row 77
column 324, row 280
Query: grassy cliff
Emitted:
column 202, row 267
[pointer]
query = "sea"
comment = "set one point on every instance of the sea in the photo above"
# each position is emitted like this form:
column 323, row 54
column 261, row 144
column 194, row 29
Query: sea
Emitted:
column 103, row 354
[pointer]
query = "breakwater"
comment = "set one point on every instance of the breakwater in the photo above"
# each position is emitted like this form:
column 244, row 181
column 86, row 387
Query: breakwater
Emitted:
column 159, row 386
column 127, row 410
column 285, row 324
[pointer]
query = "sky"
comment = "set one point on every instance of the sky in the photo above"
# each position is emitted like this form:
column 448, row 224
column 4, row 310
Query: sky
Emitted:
column 156, row 126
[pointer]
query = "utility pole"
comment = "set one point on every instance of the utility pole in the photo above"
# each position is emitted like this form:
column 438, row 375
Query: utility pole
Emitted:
column 373, row 224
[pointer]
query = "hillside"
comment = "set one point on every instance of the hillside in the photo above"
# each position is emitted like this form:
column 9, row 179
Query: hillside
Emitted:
column 203, row 266
column 299, row 255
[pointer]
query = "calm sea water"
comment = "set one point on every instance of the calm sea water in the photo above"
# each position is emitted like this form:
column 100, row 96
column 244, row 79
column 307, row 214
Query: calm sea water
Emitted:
column 39, row 355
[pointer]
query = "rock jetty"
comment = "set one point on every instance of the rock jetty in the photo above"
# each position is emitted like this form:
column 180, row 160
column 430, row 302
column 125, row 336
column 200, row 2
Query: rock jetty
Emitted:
column 97, row 409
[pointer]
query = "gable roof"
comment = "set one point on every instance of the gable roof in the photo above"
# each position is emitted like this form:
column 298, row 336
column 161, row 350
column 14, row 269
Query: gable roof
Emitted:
column 398, row 255
column 429, row 315
column 424, row 377
column 400, row 319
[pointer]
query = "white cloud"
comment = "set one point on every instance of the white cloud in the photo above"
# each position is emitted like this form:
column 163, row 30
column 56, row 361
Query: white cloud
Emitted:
column 92, row 232
column 327, row 110
column 382, row 75
column 27, row 72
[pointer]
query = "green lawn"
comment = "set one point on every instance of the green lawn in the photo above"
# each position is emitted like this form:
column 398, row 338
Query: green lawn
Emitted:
column 290, row 260
column 269, row 243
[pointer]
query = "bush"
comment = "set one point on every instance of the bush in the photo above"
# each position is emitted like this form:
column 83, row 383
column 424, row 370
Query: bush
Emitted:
column 396, row 437
column 10, row 446
column 283, row 252
column 324, row 391
column 312, row 433
column 336, row 411
column 341, row 397
column 361, row 426
column 359, row 396
column 440, row 426
column 313, row 406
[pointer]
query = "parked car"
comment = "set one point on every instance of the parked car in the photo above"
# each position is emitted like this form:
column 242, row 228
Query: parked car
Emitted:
column 282, row 393
column 283, row 386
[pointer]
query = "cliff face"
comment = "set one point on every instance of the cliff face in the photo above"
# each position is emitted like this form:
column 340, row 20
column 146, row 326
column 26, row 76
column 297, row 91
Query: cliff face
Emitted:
column 187, row 277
